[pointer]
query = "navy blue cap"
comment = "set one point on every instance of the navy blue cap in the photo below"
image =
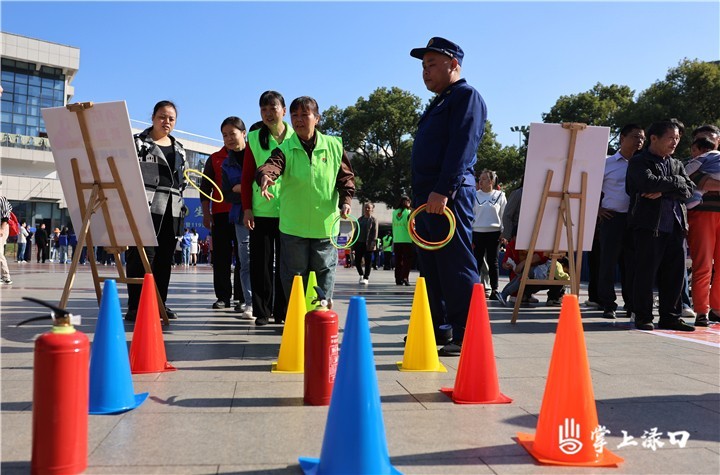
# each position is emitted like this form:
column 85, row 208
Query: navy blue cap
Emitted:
column 442, row 46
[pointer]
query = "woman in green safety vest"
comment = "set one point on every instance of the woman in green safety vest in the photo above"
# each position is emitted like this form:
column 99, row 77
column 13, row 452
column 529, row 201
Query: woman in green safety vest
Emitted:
column 404, row 249
column 317, row 179
column 261, row 216
column 387, row 247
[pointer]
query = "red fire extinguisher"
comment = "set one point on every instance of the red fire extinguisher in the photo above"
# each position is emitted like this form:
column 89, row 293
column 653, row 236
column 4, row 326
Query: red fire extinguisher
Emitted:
column 321, row 352
column 60, row 396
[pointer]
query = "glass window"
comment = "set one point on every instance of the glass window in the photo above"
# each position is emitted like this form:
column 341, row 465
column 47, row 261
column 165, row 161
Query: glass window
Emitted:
column 8, row 86
column 47, row 83
column 20, row 99
column 6, row 117
column 33, row 120
column 6, row 128
column 8, row 98
column 33, row 110
column 33, row 131
column 19, row 109
column 18, row 119
column 59, row 96
column 21, row 89
column 21, row 78
column 46, row 93
column 59, row 85
column 34, row 91
column 6, row 106
column 18, row 129
column 7, row 75
column 57, row 103
column 34, row 80
column 34, row 100
column 46, row 102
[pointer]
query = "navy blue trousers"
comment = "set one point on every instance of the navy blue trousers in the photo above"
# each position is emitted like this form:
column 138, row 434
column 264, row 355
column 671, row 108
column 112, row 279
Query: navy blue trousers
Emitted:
column 451, row 271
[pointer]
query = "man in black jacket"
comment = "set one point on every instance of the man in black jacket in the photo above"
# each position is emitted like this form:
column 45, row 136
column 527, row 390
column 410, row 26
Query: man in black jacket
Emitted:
column 658, row 185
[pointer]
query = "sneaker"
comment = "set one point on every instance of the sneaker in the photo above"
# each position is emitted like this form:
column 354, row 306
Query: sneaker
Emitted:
column 553, row 303
column 713, row 316
column 591, row 304
column 261, row 321
column 7, row 281
column 501, row 298
column 702, row 320
column 247, row 314
column 365, row 282
column 361, row 280
column 221, row 304
column 677, row 325
column 451, row 349
column 609, row 314
column 648, row 326
column 688, row 312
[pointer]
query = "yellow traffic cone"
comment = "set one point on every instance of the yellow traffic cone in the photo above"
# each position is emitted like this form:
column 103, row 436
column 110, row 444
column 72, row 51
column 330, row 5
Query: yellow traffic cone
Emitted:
column 420, row 349
column 292, row 345
column 310, row 293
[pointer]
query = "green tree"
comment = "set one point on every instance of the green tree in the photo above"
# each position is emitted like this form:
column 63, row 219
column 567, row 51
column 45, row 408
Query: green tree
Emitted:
column 690, row 93
column 598, row 106
column 508, row 162
column 377, row 133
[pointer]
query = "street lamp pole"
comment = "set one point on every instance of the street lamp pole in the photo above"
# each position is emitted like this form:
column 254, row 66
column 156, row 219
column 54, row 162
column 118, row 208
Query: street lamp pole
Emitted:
column 522, row 130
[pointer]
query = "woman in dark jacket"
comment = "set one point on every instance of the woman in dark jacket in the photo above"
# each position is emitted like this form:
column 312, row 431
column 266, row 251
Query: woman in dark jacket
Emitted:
column 162, row 163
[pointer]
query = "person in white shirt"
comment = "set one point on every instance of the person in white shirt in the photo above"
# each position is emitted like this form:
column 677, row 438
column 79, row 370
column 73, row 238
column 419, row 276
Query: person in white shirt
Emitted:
column 488, row 209
column 615, row 239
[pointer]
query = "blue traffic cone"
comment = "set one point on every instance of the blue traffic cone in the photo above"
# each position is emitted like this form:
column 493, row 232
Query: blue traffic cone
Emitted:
column 354, row 440
column 111, row 386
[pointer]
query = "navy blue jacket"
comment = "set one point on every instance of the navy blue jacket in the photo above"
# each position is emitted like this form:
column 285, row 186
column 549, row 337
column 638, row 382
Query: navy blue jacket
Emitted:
column 446, row 143
column 231, row 176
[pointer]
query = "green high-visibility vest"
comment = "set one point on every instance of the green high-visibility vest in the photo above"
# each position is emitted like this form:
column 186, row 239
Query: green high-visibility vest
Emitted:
column 261, row 206
column 387, row 243
column 400, row 225
column 309, row 200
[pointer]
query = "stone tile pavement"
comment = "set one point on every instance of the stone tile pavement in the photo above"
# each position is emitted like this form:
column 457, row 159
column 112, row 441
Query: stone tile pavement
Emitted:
column 224, row 412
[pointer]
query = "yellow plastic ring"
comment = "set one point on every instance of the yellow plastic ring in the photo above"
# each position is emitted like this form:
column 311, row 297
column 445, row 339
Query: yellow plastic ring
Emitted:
column 355, row 232
column 429, row 245
column 198, row 172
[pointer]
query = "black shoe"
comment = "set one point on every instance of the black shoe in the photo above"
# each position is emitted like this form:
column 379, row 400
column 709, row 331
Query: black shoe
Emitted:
column 644, row 325
column 170, row 314
column 451, row 349
column 677, row 325
column 713, row 317
column 493, row 295
column 406, row 283
column 221, row 304
column 702, row 320
column 261, row 321
column 398, row 282
column 131, row 315
column 609, row 314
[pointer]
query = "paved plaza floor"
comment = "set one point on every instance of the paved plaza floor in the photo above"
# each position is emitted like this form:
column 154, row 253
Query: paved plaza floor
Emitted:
column 224, row 412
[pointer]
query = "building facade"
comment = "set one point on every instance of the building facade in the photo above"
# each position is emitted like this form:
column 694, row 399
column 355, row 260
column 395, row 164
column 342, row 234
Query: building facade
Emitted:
column 38, row 74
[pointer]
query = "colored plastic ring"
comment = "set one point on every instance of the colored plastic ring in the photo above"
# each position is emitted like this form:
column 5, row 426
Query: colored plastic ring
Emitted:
column 217, row 188
column 355, row 232
column 429, row 245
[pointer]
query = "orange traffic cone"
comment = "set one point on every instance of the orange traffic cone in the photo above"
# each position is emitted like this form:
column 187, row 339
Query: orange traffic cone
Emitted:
column 291, row 358
column 476, row 381
column 420, row 349
column 147, row 350
column 567, row 429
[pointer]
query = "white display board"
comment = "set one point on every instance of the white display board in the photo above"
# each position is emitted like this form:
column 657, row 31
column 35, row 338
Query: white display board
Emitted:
column 548, row 148
column 110, row 134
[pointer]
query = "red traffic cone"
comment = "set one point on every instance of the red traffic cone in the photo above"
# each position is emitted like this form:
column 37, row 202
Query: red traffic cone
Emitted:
column 568, row 419
column 476, row 381
column 147, row 350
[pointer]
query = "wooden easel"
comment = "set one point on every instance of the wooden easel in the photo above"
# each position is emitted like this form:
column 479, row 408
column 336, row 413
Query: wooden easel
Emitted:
column 98, row 201
column 564, row 220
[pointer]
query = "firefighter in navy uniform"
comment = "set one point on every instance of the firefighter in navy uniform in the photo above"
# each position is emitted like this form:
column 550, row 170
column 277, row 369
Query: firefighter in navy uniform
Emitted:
column 443, row 156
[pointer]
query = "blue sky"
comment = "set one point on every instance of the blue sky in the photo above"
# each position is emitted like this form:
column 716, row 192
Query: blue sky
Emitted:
column 214, row 59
